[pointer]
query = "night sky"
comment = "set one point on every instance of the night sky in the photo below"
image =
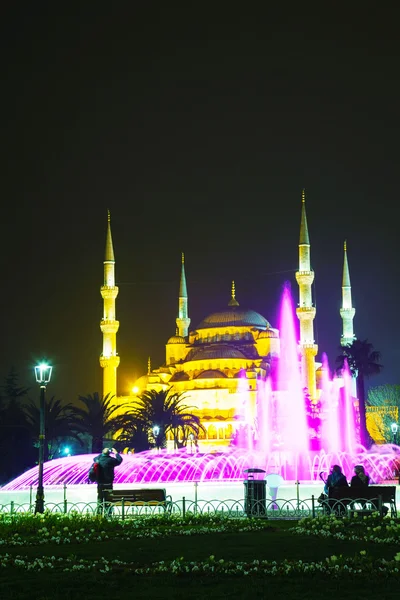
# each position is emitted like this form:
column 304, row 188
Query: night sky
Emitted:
column 198, row 130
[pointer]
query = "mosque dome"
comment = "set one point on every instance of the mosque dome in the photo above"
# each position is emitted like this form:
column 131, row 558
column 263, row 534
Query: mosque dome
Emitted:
column 176, row 339
column 236, row 317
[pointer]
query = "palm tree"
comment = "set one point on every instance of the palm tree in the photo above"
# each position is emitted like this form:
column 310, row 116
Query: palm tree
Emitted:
column 134, row 435
column 98, row 418
column 165, row 410
column 363, row 362
column 61, row 422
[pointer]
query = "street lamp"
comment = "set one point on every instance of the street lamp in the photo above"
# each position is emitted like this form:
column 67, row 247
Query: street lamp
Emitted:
column 156, row 431
column 43, row 375
column 394, row 427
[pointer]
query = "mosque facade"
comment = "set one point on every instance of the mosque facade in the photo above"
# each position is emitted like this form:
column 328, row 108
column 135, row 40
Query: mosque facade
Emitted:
column 219, row 361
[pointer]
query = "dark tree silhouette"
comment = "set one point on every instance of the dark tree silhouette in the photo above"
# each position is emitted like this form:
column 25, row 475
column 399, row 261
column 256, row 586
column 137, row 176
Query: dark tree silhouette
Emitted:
column 99, row 418
column 134, row 435
column 363, row 362
column 61, row 422
column 16, row 448
column 166, row 410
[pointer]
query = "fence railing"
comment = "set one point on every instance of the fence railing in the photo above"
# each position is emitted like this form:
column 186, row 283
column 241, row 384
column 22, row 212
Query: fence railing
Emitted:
column 248, row 508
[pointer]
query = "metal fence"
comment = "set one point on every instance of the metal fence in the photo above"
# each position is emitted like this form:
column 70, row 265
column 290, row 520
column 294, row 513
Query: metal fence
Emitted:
column 240, row 509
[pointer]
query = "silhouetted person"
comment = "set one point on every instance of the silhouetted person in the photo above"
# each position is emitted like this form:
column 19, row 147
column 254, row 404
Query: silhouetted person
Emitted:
column 335, row 479
column 360, row 479
column 105, row 478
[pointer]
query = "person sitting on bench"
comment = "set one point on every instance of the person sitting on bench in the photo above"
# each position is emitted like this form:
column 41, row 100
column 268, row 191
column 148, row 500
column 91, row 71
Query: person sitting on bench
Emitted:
column 360, row 479
column 335, row 479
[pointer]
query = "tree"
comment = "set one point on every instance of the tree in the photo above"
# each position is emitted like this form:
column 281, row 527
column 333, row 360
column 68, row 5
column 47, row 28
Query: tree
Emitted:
column 11, row 389
column 363, row 362
column 165, row 410
column 387, row 398
column 61, row 422
column 98, row 418
column 16, row 450
column 134, row 435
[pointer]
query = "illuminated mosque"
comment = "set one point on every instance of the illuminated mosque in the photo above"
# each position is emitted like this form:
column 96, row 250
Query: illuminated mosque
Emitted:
column 223, row 358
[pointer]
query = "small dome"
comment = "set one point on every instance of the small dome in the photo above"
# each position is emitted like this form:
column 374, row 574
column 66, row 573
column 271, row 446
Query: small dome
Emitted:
column 179, row 376
column 211, row 374
column 176, row 339
column 268, row 333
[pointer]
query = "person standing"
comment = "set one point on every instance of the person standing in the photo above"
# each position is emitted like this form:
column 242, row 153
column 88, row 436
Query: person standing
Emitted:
column 105, row 474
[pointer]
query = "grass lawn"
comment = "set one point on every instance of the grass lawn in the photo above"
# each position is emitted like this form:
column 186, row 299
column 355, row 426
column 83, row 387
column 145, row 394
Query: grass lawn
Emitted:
column 58, row 586
column 276, row 542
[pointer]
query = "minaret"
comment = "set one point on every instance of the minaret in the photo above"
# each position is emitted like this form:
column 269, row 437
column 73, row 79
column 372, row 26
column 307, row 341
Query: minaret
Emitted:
column 347, row 311
column 306, row 311
column 183, row 321
column 109, row 360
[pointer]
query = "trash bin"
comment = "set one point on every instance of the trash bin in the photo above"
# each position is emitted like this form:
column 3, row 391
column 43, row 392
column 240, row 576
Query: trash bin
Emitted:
column 255, row 493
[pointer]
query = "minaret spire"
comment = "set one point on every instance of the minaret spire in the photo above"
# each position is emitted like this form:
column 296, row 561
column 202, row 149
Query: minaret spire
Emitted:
column 183, row 321
column 306, row 311
column 233, row 301
column 304, row 238
column 109, row 253
column 347, row 311
column 109, row 360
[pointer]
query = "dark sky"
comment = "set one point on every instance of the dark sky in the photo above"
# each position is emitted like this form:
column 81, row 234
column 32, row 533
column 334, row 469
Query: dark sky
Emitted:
column 198, row 131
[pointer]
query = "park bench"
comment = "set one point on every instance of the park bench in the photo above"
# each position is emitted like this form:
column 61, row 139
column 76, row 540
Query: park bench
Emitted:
column 141, row 497
column 363, row 502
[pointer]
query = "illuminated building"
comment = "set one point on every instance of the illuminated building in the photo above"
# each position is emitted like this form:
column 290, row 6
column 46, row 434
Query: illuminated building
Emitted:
column 218, row 363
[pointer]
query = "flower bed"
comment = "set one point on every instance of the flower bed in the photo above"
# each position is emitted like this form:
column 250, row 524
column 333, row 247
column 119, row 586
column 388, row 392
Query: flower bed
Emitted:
column 372, row 528
column 333, row 566
column 21, row 530
column 42, row 529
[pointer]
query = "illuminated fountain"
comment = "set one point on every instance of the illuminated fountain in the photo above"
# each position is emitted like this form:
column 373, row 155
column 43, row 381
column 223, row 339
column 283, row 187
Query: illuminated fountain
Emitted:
column 288, row 435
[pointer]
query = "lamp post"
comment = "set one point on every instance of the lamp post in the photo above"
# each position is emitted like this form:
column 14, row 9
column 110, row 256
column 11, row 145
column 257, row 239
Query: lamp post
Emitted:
column 394, row 427
column 156, row 431
column 43, row 375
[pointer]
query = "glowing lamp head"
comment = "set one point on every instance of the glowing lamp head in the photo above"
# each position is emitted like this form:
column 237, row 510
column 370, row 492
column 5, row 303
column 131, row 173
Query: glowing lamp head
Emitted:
column 135, row 390
column 43, row 373
column 156, row 430
column 394, row 427
column 66, row 451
